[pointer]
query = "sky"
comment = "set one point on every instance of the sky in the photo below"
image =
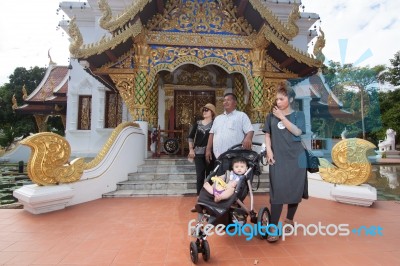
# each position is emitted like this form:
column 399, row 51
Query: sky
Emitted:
column 363, row 32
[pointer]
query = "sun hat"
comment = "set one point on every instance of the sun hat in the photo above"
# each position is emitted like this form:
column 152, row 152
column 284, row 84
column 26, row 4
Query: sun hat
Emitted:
column 210, row 106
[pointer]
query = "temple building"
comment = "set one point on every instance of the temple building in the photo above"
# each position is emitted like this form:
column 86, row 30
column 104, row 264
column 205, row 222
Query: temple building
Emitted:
column 48, row 99
column 158, row 62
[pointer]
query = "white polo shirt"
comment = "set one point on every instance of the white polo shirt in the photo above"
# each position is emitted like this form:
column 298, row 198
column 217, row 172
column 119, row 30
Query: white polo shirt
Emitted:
column 229, row 129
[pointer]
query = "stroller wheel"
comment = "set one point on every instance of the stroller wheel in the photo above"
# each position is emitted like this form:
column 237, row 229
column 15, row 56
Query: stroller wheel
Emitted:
column 206, row 250
column 263, row 219
column 194, row 252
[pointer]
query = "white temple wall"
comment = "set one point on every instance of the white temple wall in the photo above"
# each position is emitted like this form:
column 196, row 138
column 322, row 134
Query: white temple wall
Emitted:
column 85, row 143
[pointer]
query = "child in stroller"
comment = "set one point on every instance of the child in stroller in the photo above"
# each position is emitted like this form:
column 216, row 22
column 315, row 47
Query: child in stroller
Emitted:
column 228, row 210
column 222, row 190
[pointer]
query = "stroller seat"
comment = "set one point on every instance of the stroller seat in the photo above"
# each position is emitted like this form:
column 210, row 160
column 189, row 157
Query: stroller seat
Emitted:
column 225, row 211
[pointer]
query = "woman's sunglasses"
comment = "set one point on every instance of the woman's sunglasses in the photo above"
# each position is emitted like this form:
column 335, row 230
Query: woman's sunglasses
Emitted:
column 205, row 109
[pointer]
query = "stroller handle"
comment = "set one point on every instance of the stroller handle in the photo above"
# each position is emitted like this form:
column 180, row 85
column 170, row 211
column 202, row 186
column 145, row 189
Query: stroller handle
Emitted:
column 240, row 145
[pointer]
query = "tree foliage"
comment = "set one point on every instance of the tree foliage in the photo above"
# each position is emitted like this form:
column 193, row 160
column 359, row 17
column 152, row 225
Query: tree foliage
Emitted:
column 13, row 124
column 353, row 87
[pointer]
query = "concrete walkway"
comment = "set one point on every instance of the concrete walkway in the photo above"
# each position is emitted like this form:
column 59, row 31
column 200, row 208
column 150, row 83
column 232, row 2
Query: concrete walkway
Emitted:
column 154, row 231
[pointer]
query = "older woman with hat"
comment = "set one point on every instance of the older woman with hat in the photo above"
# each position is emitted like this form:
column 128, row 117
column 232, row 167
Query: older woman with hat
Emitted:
column 198, row 138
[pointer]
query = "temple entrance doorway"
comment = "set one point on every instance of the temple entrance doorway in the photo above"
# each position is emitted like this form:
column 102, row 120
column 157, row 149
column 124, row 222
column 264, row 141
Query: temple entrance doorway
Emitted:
column 188, row 104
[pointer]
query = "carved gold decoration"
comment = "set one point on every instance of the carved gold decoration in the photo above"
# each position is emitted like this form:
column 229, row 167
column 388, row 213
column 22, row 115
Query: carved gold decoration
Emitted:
column 141, row 51
column 287, row 31
column 106, row 14
column 319, row 45
column 24, row 92
column 203, row 40
column 153, row 103
column 351, row 163
column 238, row 89
column 41, row 122
column 76, row 36
column 48, row 163
column 290, row 50
column 294, row 16
column 107, row 146
column 85, row 112
column 258, row 60
column 206, row 16
column 79, row 50
column 125, row 62
column 64, row 120
column 169, row 54
column 170, row 58
column 199, row 77
column 125, row 85
column 58, row 108
column 111, row 24
column 14, row 102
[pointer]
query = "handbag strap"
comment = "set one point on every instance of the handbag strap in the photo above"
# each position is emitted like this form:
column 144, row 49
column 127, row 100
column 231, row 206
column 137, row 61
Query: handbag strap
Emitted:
column 301, row 139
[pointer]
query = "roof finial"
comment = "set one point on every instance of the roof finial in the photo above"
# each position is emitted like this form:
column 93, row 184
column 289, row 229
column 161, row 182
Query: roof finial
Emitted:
column 48, row 55
column 24, row 92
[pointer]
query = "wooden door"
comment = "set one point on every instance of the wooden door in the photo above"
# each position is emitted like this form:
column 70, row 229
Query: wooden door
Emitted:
column 187, row 107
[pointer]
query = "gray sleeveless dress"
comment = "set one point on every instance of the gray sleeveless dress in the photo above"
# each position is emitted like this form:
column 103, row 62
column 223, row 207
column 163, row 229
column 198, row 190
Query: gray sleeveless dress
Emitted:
column 288, row 174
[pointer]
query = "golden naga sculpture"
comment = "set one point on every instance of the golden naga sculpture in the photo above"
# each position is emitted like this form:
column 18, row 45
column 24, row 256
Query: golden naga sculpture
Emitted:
column 24, row 92
column 351, row 163
column 48, row 163
column 319, row 45
column 14, row 102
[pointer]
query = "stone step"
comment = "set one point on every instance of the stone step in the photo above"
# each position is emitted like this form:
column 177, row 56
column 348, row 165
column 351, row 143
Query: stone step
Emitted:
column 170, row 184
column 182, row 161
column 160, row 192
column 166, row 169
column 168, row 176
column 161, row 176
column 190, row 176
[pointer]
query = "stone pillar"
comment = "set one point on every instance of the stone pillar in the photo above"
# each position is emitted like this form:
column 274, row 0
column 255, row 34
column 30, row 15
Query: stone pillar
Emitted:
column 153, row 103
column 257, row 92
column 219, row 99
column 141, row 61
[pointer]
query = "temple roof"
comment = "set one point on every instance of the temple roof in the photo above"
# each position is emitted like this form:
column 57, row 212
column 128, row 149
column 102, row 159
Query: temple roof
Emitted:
column 251, row 18
column 50, row 96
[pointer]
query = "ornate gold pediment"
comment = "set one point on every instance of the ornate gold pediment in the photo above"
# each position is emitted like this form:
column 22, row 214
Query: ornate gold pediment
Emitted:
column 200, row 16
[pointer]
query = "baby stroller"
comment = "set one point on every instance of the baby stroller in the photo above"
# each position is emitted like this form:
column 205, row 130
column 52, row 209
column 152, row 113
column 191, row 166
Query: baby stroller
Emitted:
column 231, row 210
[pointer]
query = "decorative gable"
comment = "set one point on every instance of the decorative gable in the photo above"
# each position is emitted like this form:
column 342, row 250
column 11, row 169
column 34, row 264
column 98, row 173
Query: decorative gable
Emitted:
column 200, row 16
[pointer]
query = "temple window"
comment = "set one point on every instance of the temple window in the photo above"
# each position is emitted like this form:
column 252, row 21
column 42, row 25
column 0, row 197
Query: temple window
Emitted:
column 85, row 112
column 113, row 110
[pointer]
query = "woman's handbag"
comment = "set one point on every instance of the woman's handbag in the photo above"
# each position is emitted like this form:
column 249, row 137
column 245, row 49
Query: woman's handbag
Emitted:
column 312, row 162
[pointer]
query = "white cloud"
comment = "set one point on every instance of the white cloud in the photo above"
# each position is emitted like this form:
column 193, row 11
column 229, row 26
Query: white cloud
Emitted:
column 366, row 25
column 28, row 31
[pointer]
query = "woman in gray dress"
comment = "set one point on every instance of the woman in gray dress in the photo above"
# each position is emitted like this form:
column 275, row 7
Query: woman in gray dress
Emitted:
column 285, row 154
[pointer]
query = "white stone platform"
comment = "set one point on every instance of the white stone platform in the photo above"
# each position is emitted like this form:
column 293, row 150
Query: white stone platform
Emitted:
column 363, row 195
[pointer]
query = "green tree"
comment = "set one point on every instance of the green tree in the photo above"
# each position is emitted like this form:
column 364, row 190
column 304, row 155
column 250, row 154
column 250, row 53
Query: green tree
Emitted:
column 11, row 123
column 394, row 71
column 353, row 87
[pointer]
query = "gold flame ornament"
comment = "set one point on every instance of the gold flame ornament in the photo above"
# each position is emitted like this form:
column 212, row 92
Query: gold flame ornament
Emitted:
column 48, row 163
column 351, row 165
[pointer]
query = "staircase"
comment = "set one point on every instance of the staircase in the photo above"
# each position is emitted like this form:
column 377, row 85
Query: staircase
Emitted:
column 167, row 176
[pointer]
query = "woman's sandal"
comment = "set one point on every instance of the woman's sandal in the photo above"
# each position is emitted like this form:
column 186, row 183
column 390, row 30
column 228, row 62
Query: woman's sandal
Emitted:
column 288, row 230
column 272, row 238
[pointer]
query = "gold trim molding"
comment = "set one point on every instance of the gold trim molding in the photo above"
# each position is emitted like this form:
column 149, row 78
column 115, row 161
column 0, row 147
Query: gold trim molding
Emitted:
column 80, row 50
column 196, row 39
column 111, row 24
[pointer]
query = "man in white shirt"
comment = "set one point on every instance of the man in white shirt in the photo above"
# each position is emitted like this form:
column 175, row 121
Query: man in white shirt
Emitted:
column 230, row 128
